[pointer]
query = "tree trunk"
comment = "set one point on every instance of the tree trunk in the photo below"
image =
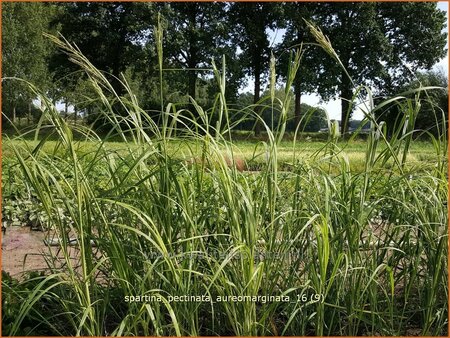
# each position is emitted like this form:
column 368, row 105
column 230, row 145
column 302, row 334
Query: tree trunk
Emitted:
column 346, row 97
column 29, row 113
column 192, row 82
column 14, row 115
column 193, row 51
column 192, row 64
column 256, row 97
column 75, row 114
column 297, row 103
column 66, row 110
column 297, row 85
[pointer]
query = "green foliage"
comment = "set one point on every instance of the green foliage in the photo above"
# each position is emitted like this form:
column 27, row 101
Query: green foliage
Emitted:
column 113, row 35
column 313, row 118
column 433, row 109
column 357, row 253
column 110, row 34
column 196, row 34
column 373, row 42
column 45, row 314
column 24, row 53
column 251, row 22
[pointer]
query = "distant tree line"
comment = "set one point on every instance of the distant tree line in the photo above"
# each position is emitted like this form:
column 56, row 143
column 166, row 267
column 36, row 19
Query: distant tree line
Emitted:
column 387, row 46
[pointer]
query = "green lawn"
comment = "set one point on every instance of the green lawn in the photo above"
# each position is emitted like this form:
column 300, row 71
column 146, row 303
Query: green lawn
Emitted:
column 421, row 153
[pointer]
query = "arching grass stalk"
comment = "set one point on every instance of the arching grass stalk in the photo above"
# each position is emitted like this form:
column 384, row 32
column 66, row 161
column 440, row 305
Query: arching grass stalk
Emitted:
column 357, row 252
column 41, row 178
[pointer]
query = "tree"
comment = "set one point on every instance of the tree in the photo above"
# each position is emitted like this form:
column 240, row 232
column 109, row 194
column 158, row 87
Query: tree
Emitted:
column 113, row 37
column 24, row 53
column 195, row 35
column 415, row 31
column 251, row 20
column 433, row 105
column 314, row 119
column 110, row 34
column 297, row 36
column 272, row 114
column 378, row 44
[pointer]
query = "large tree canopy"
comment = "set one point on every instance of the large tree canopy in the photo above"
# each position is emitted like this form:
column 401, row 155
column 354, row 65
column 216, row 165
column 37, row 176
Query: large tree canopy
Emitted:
column 112, row 36
column 298, row 36
column 25, row 53
column 251, row 22
column 378, row 43
column 109, row 33
column 195, row 35
column 433, row 109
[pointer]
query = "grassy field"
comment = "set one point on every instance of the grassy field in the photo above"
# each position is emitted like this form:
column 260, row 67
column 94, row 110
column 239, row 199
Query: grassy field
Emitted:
column 421, row 153
column 334, row 238
column 351, row 244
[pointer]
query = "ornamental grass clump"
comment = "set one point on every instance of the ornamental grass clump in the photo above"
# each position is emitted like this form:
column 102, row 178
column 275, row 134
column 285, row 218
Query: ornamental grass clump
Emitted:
column 345, row 253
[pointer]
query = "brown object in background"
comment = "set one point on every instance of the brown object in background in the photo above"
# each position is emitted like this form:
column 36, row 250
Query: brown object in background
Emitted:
column 239, row 162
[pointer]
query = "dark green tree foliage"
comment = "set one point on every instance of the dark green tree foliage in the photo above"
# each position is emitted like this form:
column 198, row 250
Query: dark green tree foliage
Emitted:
column 434, row 107
column 112, row 36
column 251, row 20
column 433, row 102
column 380, row 44
column 361, row 45
column 195, row 34
column 313, row 118
column 297, row 36
column 415, row 32
column 377, row 44
column 24, row 53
